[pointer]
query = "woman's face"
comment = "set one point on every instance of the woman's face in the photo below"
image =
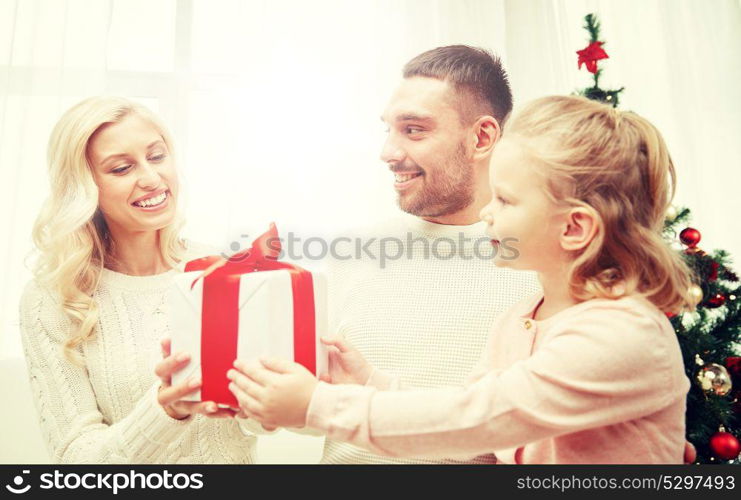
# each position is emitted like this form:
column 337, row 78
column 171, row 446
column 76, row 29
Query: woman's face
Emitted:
column 135, row 174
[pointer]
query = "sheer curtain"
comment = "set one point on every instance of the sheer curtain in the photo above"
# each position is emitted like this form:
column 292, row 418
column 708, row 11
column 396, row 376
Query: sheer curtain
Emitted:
column 275, row 106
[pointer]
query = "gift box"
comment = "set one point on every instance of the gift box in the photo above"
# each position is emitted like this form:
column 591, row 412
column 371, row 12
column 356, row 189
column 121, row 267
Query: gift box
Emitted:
column 245, row 307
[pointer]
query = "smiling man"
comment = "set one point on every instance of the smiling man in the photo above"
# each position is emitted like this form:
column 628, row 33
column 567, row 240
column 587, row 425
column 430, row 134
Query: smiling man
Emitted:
column 426, row 313
column 444, row 120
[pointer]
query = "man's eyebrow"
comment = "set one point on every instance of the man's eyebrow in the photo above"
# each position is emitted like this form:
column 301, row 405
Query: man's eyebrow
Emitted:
column 410, row 117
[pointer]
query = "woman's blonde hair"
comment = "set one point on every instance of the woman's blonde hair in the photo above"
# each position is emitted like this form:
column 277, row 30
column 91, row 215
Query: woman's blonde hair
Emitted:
column 70, row 233
column 616, row 164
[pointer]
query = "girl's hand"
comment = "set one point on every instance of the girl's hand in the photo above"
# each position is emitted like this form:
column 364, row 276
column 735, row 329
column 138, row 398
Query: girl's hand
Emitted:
column 169, row 396
column 346, row 364
column 275, row 392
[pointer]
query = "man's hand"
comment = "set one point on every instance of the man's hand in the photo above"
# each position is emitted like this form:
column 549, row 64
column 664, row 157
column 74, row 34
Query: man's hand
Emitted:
column 275, row 392
column 346, row 364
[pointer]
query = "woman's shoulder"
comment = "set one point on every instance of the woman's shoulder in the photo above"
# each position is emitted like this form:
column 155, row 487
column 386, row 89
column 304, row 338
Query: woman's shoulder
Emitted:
column 36, row 295
column 40, row 309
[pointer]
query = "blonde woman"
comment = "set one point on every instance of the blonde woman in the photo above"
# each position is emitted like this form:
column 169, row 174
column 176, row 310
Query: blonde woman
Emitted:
column 94, row 319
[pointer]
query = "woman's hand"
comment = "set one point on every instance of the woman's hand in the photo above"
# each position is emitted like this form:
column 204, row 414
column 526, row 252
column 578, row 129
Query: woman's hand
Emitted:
column 275, row 392
column 169, row 396
column 346, row 364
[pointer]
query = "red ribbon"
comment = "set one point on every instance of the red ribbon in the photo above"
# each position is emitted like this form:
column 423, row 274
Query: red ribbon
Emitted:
column 220, row 311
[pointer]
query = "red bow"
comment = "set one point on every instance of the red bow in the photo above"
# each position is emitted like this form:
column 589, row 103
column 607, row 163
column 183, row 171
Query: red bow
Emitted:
column 590, row 55
column 220, row 311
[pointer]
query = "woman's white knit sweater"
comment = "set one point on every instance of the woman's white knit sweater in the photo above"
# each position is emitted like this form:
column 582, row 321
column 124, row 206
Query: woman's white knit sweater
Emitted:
column 105, row 410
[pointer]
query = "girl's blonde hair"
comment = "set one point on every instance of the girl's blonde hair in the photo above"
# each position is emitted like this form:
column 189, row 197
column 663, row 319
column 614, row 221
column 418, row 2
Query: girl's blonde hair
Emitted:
column 70, row 233
column 617, row 164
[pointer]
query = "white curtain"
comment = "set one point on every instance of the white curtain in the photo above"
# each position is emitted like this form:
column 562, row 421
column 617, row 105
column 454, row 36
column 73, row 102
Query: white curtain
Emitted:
column 275, row 105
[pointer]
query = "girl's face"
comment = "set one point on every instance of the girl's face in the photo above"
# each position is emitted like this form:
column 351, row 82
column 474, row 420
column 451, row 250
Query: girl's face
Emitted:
column 521, row 219
column 135, row 174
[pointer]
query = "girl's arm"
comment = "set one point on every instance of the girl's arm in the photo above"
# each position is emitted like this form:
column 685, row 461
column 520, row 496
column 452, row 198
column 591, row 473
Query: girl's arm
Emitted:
column 607, row 366
column 74, row 429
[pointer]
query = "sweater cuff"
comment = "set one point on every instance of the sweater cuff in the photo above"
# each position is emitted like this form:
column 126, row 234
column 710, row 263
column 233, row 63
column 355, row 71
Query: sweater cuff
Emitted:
column 151, row 427
column 339, row 411
column 382, row 381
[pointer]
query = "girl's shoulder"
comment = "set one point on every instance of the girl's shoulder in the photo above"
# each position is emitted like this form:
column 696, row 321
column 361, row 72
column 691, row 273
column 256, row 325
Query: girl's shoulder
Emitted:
column 628, row 316
column 629, row 304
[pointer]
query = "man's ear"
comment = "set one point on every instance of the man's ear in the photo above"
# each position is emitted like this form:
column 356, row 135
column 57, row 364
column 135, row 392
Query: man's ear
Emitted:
column 486, row 133
column 579, row 228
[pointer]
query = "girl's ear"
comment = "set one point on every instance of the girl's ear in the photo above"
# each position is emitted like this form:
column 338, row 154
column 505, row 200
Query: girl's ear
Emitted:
column 580, row 228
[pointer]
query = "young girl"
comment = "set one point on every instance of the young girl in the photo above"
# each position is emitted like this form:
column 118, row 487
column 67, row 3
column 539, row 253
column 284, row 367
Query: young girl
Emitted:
column 93, row 317
column 589, row 371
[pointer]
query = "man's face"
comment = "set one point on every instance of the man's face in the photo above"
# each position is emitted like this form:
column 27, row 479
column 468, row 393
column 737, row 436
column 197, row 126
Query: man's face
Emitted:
column 428, row 149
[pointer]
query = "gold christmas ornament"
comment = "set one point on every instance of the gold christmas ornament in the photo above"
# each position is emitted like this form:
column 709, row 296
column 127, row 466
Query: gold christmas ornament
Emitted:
column 714, row 379
column 695, row 294
column 671, row 213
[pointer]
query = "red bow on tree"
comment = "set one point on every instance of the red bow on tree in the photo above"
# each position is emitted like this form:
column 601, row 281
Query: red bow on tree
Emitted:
column 590, row 55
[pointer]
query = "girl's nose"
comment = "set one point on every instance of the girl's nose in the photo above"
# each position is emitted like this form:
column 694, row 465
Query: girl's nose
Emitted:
column 485, row 215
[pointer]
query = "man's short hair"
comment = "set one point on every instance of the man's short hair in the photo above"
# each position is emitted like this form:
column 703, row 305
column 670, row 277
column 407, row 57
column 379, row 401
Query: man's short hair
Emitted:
column 476, row 75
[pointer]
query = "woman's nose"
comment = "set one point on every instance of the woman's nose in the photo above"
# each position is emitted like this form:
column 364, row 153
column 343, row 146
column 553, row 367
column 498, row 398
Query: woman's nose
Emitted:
column 149, row 178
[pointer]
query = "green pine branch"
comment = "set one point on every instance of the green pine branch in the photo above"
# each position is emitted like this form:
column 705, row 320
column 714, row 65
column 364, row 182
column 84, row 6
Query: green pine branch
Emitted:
column 592, row 25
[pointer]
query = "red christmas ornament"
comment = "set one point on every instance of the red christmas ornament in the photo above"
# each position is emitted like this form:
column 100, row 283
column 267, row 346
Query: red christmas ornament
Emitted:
column 733, row 364
column 715, row 301
column 714, row 267
column 690, row 237
column 590, row 55
column 725, row 445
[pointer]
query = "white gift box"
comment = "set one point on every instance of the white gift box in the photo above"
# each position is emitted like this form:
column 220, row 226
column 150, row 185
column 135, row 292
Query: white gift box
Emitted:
column 265, row 319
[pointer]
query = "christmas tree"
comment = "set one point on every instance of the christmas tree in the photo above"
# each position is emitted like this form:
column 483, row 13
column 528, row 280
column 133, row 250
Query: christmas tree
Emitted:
column 709, row 336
